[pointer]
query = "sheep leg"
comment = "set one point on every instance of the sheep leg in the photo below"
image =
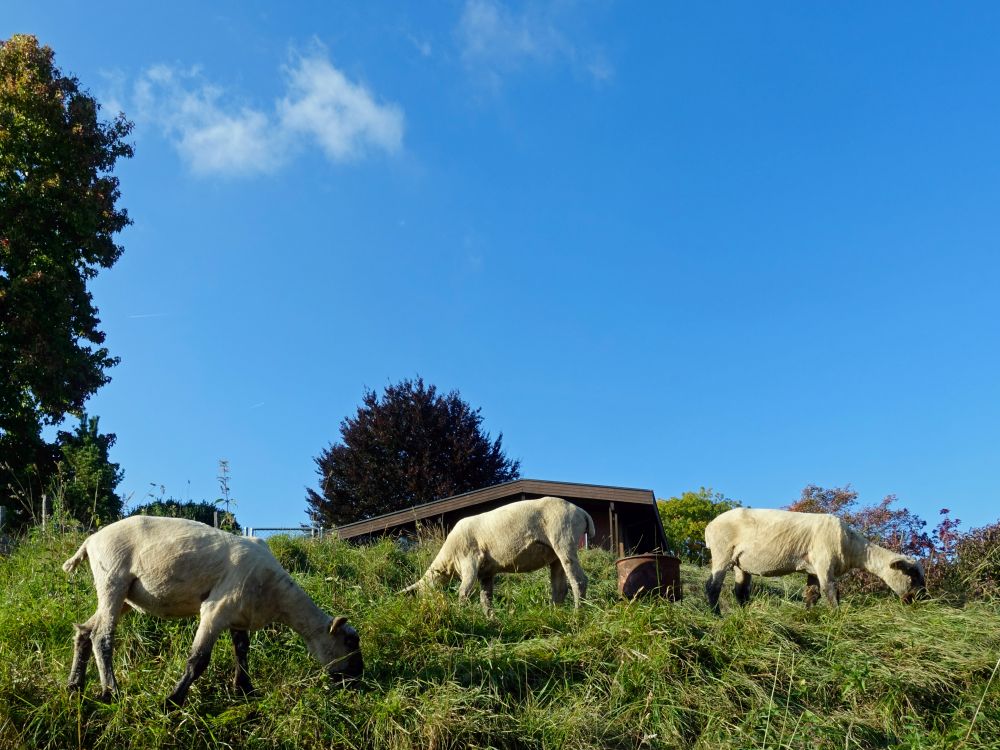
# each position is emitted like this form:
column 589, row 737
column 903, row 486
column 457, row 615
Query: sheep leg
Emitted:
column 828, row 584
column 811, row 595
column 574, row 572
column 83, row 647
column 201, row 653
column 470, row 571
column 742, row 587
column 829, row 589
column 101, row 627
column 713, row 588
column 486, row 593
column 241, row 646
column 560, row 585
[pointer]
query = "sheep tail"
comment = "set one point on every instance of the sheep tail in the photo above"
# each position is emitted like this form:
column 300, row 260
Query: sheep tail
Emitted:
column 81, row 554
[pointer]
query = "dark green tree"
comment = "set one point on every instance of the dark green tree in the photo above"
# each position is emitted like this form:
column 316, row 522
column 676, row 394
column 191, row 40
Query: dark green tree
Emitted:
column 85, row 481
column 58, row 219
column 410, row 446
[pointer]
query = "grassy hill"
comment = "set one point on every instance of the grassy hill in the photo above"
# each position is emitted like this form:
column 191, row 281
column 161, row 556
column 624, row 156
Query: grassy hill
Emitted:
column 439, row 674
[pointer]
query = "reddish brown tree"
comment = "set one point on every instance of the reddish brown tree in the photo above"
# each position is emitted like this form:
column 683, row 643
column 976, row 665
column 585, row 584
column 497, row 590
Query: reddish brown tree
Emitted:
column 410, row 446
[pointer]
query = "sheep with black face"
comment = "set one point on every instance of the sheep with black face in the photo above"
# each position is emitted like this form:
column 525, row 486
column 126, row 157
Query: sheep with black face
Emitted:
column 172, row 567
column 777, row 542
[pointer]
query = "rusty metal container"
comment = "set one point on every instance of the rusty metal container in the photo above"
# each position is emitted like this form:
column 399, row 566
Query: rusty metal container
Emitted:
column 646, row 575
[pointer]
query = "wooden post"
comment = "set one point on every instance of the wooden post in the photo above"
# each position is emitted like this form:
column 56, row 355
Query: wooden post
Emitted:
column 611, row 527
column 615, row 530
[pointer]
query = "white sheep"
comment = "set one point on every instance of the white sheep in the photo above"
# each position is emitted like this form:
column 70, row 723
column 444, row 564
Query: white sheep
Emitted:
column 778, row 542
column 172, row 567
column 514, row 538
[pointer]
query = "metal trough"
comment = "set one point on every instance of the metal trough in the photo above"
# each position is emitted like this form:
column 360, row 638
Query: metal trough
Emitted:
column 646, row 575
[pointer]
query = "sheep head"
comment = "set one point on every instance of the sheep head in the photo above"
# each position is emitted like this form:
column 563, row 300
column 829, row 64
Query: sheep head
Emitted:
column 905, row 576
column 339, row 650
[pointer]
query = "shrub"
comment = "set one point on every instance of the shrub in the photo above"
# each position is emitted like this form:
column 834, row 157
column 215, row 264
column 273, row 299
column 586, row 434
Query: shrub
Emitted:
column 978, row 560
column 685, row 518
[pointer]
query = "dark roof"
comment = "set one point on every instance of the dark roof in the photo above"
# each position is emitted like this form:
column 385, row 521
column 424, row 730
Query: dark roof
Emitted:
column 496, row 492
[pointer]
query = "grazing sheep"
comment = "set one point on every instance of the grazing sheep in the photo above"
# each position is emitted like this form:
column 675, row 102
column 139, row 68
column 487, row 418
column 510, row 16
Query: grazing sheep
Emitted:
column 172, row 567
column 778, row 542
column 515, row 538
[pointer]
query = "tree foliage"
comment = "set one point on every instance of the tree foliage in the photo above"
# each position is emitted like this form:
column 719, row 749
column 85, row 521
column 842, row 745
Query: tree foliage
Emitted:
column 58, row 219
column 80, row 486
column 685, row 518
column 86, row 477
column 410, row 446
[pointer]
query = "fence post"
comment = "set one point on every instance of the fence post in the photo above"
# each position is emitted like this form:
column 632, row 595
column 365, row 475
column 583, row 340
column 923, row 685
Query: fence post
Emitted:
column 45, row 502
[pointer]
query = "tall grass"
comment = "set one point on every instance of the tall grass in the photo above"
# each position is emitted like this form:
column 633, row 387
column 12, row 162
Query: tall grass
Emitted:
column 615, row 674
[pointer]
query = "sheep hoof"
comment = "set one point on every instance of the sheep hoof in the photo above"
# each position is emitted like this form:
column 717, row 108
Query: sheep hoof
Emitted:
column 106, row 696
column 246, row 689
column 172, row 703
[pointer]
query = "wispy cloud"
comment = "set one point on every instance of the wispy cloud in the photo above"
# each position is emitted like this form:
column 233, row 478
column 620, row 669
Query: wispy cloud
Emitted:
column 217, row 134
column 490, row 33
column 211, row 134
column 423, row 46
column 342, row 117
column 495, row 40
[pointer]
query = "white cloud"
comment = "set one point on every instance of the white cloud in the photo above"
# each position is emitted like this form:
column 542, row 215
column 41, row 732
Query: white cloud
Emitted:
column 212, row 135
column 216, row 135
column 343, row 117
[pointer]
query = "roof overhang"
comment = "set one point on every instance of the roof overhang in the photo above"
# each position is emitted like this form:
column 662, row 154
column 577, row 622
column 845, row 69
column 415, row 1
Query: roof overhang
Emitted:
column 512, row 490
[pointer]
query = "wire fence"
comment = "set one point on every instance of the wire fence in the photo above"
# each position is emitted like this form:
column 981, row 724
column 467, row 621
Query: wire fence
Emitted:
column 263, row 532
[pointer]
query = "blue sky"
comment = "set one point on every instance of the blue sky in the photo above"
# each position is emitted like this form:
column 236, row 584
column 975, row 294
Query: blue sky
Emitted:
column 746, row 246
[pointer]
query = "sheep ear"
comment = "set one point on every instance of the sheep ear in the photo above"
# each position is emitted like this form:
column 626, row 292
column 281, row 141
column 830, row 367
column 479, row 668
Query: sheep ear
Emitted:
column 904, row 565
column 338, row 622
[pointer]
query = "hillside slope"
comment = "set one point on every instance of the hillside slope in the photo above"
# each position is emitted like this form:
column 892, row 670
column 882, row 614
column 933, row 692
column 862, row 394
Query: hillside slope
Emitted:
column 614, row 675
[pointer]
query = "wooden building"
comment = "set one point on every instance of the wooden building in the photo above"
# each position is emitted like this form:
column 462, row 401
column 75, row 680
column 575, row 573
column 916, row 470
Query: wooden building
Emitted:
column 626, row 519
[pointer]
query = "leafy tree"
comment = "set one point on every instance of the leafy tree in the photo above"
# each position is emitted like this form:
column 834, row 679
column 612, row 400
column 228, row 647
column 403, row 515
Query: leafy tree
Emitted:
column 685, row 518
column 58, row 218
column 410, row 446
column 200, row 510
column 86, row 479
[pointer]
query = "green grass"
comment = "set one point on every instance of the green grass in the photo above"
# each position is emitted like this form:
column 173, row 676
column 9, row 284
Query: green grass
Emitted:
column 440, row 674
